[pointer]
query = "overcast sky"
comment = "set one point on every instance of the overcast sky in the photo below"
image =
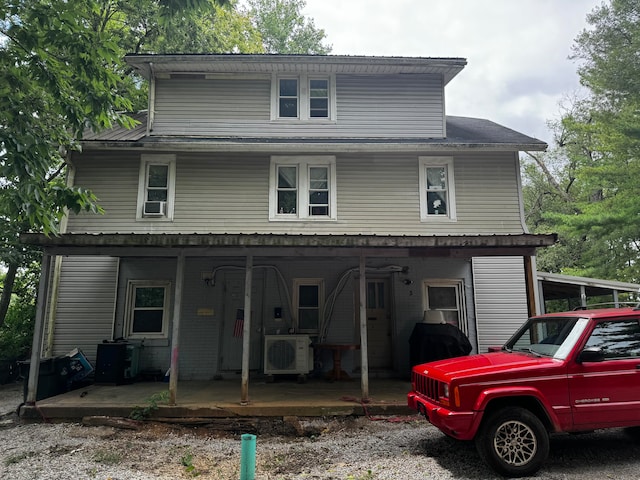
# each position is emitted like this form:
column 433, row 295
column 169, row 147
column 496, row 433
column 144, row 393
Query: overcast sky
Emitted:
column 517, row 51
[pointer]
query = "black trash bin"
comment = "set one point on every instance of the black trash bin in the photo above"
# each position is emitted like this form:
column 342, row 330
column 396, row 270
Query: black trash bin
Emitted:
column 53, row 377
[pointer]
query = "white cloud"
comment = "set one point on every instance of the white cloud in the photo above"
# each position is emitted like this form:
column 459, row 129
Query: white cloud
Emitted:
column 517, row 50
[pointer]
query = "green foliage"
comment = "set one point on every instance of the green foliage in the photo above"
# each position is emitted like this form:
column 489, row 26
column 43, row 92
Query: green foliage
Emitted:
column 285, row 30
column 17, row 330
column 56, row 80
column 187, row 462
column 143, row 413
column 107, row 457
column 598, row 216
column 17, row 458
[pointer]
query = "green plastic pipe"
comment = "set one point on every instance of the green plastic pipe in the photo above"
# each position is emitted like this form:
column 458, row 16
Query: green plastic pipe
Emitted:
column 248, row 457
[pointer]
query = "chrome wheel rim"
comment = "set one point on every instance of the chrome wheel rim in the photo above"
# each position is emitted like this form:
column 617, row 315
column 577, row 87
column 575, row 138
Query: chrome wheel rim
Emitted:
column 515, row 443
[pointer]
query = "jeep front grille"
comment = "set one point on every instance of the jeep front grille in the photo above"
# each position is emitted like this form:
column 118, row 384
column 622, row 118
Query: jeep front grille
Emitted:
column 426, row 386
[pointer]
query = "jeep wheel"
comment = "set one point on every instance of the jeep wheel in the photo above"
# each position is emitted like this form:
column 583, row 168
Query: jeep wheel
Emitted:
column 513, row 442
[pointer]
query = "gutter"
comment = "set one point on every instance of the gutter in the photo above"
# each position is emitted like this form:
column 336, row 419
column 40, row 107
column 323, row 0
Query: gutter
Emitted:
column 304, row 146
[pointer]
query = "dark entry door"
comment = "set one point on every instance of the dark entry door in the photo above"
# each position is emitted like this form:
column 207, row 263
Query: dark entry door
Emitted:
column 233, row 318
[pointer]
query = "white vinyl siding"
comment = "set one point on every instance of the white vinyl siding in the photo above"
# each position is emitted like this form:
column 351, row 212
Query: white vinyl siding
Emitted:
column 406, row 106
column 86, row 305
column 375, row 194
column 500, row 293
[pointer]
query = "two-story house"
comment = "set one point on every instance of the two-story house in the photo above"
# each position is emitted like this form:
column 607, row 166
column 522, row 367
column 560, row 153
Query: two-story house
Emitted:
column 269, row 202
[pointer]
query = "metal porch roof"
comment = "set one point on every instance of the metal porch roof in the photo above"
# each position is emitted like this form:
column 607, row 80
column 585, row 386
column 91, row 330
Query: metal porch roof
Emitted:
column 88, row 243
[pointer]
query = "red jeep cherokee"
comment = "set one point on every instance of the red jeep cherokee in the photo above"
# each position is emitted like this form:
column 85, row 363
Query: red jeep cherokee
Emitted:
column 562, row 372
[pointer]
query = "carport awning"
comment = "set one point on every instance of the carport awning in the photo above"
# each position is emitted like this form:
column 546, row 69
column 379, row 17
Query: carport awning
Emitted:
column 272, row 244
column 558, row 286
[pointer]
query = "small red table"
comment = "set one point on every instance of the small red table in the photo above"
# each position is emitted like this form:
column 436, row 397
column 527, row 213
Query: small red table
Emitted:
column 337, row 349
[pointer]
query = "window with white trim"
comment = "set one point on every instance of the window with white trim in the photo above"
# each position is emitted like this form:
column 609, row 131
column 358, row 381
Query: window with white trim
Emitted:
column 147, row 312
column 303, row 97
column 288, row 98
column 302, row 188
column 446, row 296
column 308, row 299
column 437, row 188
column 156, row 188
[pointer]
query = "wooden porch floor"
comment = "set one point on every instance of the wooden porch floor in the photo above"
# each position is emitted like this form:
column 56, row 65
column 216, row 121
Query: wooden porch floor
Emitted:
column 221, row 399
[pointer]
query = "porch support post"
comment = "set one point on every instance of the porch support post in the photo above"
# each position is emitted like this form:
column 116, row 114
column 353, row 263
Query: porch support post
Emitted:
column 364, row 356
column 246, row 331
column 175, row 332
column 38, row 330
column 530, row 279
column 583, row 296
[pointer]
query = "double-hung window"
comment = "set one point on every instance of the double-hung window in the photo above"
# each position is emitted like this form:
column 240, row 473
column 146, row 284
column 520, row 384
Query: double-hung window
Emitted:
column 318, row 98
column 437, row 189
column 302, row 188
column 308, row 300
column 147, row 309
column 303, row 97
column 447, row 296
column 288, row 97
column 156, row 187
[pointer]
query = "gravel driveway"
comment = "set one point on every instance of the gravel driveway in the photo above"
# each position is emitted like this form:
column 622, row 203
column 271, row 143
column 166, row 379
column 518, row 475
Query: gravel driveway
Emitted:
column 341, row 449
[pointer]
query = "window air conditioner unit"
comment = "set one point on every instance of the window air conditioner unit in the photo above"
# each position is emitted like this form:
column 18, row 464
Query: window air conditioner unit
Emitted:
column 287, row 354
column 154, row 209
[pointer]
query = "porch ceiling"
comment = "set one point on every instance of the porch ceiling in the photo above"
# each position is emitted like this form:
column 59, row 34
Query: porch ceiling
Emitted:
column 271, row 244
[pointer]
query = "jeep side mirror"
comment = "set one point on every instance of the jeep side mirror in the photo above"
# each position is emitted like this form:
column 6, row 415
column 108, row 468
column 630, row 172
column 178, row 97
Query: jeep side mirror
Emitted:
column 591, row 354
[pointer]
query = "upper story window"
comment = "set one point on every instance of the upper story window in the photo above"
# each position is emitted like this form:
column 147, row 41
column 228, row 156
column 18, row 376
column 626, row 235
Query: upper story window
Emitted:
column 303, row 97
column 288, row 98
column 156, row 188
column 437, row 189
column 318, row 98
column 302, row 188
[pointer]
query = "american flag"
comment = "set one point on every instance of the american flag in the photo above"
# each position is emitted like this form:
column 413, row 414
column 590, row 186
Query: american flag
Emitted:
column 238, row 327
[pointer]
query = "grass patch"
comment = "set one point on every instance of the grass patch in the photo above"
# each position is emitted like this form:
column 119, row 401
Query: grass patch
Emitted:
column 107, row 458
column 17, row 458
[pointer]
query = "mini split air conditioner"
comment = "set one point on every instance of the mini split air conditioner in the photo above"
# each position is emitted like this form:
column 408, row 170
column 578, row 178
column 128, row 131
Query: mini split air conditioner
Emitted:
column 154, row 209
column 287, row 354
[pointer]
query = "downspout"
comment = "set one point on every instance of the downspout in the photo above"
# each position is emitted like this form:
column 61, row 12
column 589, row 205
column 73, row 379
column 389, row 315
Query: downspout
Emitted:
column 152, row 99
column 534, row 298
column 57, row 269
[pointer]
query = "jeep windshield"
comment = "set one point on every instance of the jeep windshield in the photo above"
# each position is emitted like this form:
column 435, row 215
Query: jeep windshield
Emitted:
column 547, row 336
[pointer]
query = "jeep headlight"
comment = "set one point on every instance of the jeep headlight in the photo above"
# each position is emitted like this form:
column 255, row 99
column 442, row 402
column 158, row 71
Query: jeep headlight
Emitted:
column 445, row 390
column 444, row 393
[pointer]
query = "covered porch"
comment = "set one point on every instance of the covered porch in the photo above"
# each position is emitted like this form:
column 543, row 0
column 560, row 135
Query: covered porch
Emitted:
column 247, row 394
column 205, row 401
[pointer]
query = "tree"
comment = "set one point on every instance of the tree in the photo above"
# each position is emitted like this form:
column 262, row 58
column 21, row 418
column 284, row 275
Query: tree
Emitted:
column 56, row 78
column 285, row 30
column 599, row 139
